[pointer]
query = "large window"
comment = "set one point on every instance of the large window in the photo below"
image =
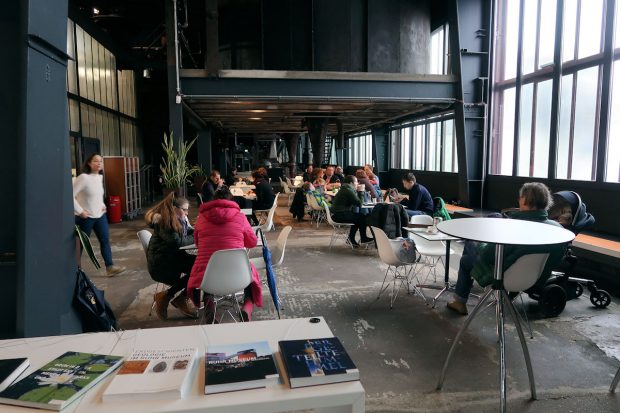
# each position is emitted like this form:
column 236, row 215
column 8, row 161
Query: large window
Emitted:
column 360, row 149
column 427, row 144
column 101, row 99
column 439, row 51
column 523, row 115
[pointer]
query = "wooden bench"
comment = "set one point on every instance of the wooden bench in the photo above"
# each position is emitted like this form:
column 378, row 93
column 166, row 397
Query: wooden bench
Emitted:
column 597, row 244
column 455, row 208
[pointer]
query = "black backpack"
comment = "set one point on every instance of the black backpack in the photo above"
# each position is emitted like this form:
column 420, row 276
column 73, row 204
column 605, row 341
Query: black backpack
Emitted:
column 94, row 311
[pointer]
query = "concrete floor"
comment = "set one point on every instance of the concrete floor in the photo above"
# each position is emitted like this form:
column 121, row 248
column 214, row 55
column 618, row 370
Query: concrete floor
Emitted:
column 400, row 352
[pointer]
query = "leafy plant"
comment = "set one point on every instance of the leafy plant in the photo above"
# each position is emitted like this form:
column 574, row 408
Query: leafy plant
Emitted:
column 85, row 241
column 175, row 169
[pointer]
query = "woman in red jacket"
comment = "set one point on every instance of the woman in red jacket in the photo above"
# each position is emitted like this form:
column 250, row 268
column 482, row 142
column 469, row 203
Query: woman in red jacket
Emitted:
column 221, row 226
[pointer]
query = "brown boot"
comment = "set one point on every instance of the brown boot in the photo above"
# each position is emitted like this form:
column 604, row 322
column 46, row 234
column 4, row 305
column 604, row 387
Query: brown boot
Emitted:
column 458, row 307
column 181, row 302
column 161, row 304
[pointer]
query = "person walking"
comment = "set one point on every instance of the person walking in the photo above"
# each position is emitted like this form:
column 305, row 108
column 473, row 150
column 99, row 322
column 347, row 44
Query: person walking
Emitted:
column 90, row 211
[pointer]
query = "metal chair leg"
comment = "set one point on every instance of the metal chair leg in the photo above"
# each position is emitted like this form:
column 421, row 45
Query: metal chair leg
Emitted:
column 503, row 386
column 526, row 353
column 614, row 382
column 458, row 337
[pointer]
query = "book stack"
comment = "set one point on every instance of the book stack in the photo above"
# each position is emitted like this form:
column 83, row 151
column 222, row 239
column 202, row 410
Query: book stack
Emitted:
column 10, row 369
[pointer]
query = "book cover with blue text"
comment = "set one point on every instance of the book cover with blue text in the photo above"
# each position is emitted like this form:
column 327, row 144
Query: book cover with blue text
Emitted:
column 317, row 361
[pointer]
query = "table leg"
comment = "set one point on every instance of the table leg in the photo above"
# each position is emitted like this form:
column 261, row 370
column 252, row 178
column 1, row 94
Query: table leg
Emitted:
column 458, row 336
column 502, row 351
column 526, row 353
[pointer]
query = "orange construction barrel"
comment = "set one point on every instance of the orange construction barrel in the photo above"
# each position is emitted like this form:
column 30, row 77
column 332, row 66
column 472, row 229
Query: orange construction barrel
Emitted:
column 114, row 209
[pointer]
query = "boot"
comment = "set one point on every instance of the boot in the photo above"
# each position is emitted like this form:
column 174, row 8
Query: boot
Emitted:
column 161, row 304
column 181, row 303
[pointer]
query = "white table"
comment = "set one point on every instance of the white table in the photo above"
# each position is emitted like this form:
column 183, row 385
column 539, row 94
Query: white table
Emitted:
column 438, row 236
column 339, row 397
column 501, row 232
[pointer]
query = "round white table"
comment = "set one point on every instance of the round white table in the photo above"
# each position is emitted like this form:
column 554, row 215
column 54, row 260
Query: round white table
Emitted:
column 502, row 232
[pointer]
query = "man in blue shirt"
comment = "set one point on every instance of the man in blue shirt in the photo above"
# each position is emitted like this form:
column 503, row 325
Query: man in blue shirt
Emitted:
column 420, row 201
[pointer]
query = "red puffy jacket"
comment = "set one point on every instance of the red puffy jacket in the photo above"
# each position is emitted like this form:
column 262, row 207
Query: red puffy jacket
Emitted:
column 221, row 226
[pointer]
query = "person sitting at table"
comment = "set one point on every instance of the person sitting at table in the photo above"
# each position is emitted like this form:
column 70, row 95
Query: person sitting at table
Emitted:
column 232, row 178
column 478, row 258
column 420, row 201
column 372, row 177
column 362, row 179
column 342, row 207
column 339, row 174
column 264, row 191
column 220, row 226
column 166, row 262
column 213, row 183
column 331, row 180
column 307, row 175
column 308, row 188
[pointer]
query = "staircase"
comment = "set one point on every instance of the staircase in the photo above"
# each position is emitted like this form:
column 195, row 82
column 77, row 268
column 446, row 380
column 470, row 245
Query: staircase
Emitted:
column 329, row 142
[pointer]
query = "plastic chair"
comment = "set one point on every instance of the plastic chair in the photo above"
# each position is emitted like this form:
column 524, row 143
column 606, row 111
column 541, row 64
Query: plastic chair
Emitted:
column 318, row 211
column 268, row 224
column 432, row 252
column 277, row 252
column 520, row 276
column 227, row 274
column 145, row 237
column 287, row 191
column 340, row 229
column 400, row 271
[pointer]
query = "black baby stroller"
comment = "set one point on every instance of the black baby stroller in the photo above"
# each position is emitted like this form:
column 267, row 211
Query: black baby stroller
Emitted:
column 562, row 285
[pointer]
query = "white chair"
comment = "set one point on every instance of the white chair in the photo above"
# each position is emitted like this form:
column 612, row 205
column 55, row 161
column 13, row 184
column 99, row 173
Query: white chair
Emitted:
column 340, row 229
column 267, row 224
column 318, row 212
column 227, row 274
column 287, row 191
column 145, row 237
column 431, row 252
column 400, row 271
column 277, row 252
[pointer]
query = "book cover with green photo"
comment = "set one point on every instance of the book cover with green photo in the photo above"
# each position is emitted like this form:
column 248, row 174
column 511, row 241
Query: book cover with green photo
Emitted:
column 61, row 381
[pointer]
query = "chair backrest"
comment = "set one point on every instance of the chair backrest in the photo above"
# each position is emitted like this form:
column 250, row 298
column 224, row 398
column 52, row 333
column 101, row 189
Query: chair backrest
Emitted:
column 285, row 187
column 421, row 220
column 428, row 247
column 328, row 215
column 269, row 222
column 145, row 237
column 524, row 272
column 227, row 272
column 280, row 247
column 313, row 202
column 386, row 252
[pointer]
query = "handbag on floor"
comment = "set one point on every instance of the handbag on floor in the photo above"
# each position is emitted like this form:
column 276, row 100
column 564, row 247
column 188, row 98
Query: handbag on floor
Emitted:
column 89, row 302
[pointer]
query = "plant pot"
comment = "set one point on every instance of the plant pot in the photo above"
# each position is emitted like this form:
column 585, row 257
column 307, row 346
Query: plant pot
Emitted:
column 177, row 192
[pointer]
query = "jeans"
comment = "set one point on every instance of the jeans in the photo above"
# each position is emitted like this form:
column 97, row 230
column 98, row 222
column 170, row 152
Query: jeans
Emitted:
column 358, row 220
column 464, row 282
column 100, row 225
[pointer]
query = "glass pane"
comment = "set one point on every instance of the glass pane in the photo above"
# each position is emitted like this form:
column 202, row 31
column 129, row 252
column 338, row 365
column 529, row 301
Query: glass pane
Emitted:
column 511, row 39
column 566, row 102
column 569, row 30
column 543, row 124
column 506, row 142
column 612, row 170
column 88, row 60
column 585, row 122
column 448, row 148
column 72, row 156
column 418, row 147
column 110, row 86
column 432, row 146
column 525, row 130
column 530, row 11
column 405, row 147
column 96, row 84
column 79, row 42
column 437, row 52
column 546, row 40
column 590, row 27
column 102, row 76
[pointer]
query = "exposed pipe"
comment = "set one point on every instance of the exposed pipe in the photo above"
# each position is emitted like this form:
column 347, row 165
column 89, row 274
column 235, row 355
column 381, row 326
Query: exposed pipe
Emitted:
column 176, row 51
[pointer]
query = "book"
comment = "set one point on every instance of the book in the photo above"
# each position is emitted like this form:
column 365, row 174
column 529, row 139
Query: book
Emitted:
column 157, row 373
column 61, row 381
column 317, row 361
column 10, row 369
column 239, row 367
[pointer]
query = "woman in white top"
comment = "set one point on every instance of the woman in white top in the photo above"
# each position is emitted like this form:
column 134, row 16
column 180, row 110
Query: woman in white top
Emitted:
column 89, row 209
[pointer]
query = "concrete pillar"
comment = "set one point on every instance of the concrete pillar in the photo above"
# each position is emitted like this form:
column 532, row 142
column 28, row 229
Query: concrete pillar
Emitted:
column 292, row 141
column 204, row 147
column 317, row 131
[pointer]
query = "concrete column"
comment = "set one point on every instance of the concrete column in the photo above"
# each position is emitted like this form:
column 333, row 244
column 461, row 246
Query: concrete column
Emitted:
column 292, row 141
column 317, row 131
column 204, row 149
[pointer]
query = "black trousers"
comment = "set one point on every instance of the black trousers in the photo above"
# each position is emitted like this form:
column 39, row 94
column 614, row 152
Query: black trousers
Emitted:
column 358, row 220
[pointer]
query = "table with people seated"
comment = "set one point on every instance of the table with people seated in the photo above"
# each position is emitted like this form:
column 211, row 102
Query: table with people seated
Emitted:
column 349, row 396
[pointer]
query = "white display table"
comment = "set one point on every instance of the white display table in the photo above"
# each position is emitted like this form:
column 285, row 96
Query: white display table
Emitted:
column 501, row 232
column 340, row 397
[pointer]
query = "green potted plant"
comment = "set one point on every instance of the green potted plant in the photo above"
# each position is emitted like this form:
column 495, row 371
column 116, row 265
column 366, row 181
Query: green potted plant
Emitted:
column 176, row 171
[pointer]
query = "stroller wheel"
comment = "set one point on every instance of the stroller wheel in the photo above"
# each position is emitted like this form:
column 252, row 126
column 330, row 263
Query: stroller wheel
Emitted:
column 578, row 290
column 552, row 300
column 600, row 298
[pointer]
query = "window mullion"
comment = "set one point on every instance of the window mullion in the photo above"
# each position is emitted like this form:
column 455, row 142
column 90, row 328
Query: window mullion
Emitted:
column 571, row 135
column 556, row 89
column 533, row 128
column 515, row 152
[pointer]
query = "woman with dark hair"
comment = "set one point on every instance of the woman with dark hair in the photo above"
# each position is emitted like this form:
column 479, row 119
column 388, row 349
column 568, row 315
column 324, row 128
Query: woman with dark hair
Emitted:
column 90, row 211
column 362, row 179
column 166, row 262
column 221, row 226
